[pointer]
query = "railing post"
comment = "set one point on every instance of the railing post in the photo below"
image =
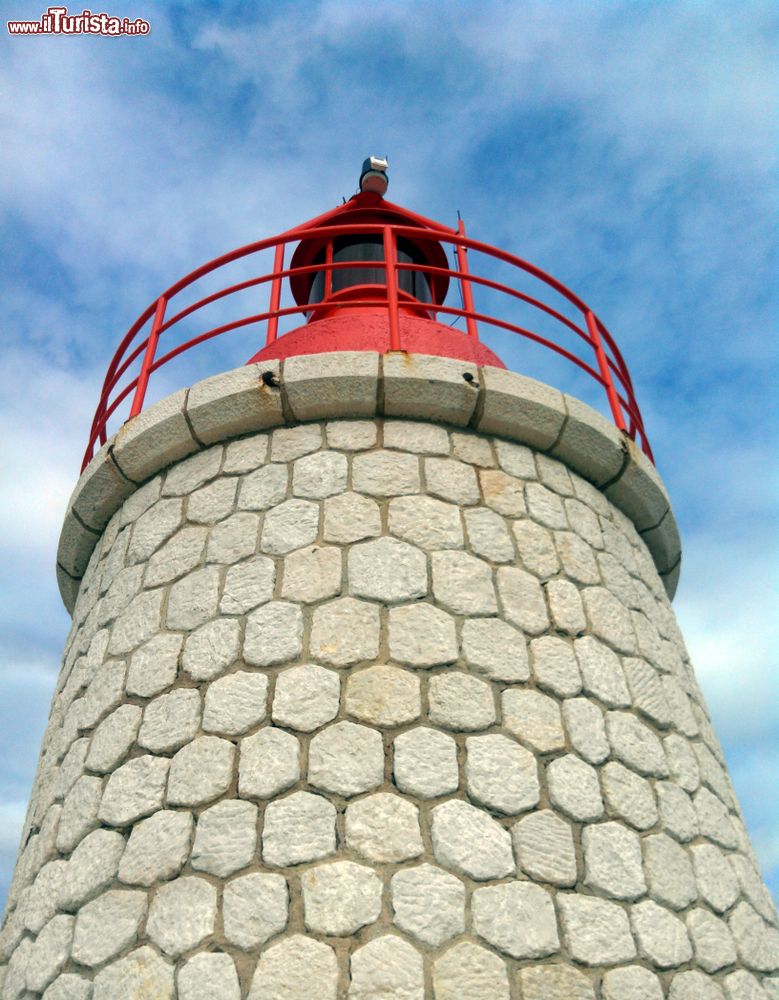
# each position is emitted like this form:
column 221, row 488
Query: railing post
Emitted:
column 148, row 358
column 329, row 269
column 390, row 270
column 465, row 285
column 603, row 365
column 275, row 294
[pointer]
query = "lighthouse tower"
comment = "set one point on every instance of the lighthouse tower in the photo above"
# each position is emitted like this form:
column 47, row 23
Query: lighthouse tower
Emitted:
column 374, row 690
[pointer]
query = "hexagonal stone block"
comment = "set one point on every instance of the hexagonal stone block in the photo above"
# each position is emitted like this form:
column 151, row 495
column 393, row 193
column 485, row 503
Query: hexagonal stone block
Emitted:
column 669, row 872
column 536, row 548
column 296, row 968
column 534, row 718
column 383, row 696
column 254, row 909
column 340, row 898
column 211, row 649
column 289, row 443
column 235, row 703
column 181, row 915
column 716, row 881
column 201, row 771
column 345, row 631
column 574, row 789
column 523, row 601
column 517, row 918
column 411, row 435
column 107, row 925
column 635, row 744
column 157, row 849
column 451, row 480
column 426, row 522
column 226, row 838
column 425, row 763
column 289, row 526
column 596, row 932
column 264, row 488
column 233, row 539
column 192, row 601
column 428, row 903
column 306, row 697
column 92, row 868
column 347, row 759
column 627, row 796
column 602, row 674
column 170, row 721
column 711, row 940
column 469, row 840
column 312, row 574
column 633, row 981
column 501, row 774
column 694, row 985
column 387, row 570
column 468, row 970
column 135, row 790
column 612, row 861
column 384, row 828
column 248, row 585
column 586, row 729
column 386, row 965
column 544, row 847
column 555, row 667
column 269, row 764
column 113, row 738
column 274, row 634
column 298, row 828
column 350, row 518
column 495, row 649
column 208, row 976
column 50, row 952
column 463, row 584
column 461, row 702
column 384, row 474
column 319, row 475
column 661, row 937
column 142, row 971
column 555, row 982
column 153, row 667
column 421, row 635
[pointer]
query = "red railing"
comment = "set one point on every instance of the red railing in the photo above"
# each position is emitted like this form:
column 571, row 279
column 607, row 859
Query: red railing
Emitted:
column 609, row 369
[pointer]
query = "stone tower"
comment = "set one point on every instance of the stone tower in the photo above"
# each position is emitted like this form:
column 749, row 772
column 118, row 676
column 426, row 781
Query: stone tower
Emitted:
column 374, row 690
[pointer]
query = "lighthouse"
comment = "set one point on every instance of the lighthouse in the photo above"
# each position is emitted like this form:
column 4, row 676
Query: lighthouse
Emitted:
column 374, row 690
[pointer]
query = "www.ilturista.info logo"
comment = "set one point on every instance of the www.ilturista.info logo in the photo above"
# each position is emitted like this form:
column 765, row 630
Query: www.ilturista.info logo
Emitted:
column 57, row 21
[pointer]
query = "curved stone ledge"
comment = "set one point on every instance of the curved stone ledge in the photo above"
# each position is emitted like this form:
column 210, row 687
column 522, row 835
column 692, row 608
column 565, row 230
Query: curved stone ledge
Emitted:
column 365, row 384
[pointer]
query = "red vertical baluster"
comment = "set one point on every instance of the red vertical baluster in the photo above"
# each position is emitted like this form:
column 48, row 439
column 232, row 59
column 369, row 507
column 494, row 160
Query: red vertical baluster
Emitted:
column 148, row 358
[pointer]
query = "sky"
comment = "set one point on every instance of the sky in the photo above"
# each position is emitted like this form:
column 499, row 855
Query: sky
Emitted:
column 629, row 148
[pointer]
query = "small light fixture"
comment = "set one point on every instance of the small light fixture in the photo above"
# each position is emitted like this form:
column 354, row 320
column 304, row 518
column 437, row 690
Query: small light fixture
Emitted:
column 374, row 175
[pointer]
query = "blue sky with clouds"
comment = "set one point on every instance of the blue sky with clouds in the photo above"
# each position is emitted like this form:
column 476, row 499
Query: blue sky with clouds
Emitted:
column 626, row 147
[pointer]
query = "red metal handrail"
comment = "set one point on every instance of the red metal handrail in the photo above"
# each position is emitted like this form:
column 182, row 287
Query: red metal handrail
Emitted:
column 609, row 369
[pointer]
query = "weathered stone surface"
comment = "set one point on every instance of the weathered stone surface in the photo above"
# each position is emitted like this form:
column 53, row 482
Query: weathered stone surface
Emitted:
column 107, row 925
column 383, row 696
column 544, row 847
column 208, row 977
column 296, row 968
column 714, row 821
column 298, row 828
column 113, row 738
column 68, row 986
column 306, row 697
column 384, row 828
column 289, row 526
column 682, row 762
column 138, row 622
column 211, row 649
column 201, row 771
column 627, row 796
column 677, row 813
column 254, row 909
column 631, row 983
column 179, row 555
column 756, row 942
column 157, row 849
column 387, row 570
column 612, row 861
column 79, row 812
column 421, row 635
column 577, row 558
column 743, row 985
column 312, row 574
column 193, row 600
column 386, row 967
column 269, row 764
column 350, row 517
column 451, row 480
column 50, row 952
column 716, row 881
column 500, row 774
column 153, row 528
column 385, row 474
column 136, row 789
column 661, row 937
column 555, row 982
column 609, row 619
column 345, row 631
column 469, row 840
column 141, row 973
column 669, row 872
column 154, row 666
column 752, row 886
column 502, row 492
column 185, row 477
column 635, row 744
column 468, row 970
column 488, row 536
column 214, row 502
column 289, row 443
column 602, row 674
column 694, row 985
column 40, row 901
column 226, row 838
column 235, row 703
column 463, row 583
column 170, row 721
column 274, row 634
column 415, row 436
column 565, row 607
column 428, row 903
column 495, row 649
column 573, row 788
column 92, row 867
column 460, row 702
column 596, row 932
column 264, row 488
column 347, row 759
column 340, row 898
column 247, row 585
column 472, row 449
column 426, row 522
column 555, row 667
column 351, row 435
column 523, row 600
column 648, row 695
column 711, row 940
column 425, row 763
column 182, row 914
column 536, row 548
column 534, row 718
column 586, row 728
column 320, row 475
column 518, row 918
